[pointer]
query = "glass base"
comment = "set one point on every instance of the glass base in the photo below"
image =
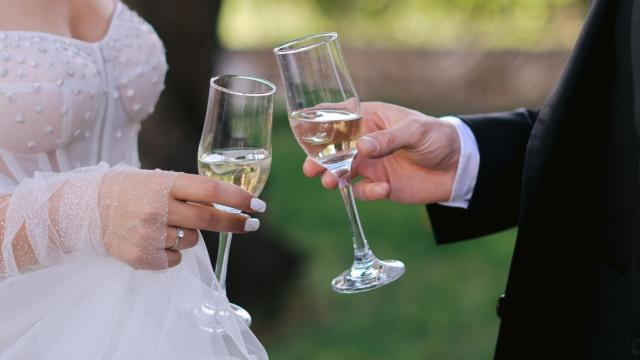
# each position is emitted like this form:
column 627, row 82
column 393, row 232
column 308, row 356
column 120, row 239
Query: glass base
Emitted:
column 367, row 273
column 242, row 314
column 210, row 318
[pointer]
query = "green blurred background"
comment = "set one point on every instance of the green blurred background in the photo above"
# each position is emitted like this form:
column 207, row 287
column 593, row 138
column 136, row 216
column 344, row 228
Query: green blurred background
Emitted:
column 438, row 56
column 524, row 24
column 442, row 308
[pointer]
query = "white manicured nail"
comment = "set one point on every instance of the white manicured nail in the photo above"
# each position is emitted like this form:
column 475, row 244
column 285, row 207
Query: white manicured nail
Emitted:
column 251, row 224
column 258, row 205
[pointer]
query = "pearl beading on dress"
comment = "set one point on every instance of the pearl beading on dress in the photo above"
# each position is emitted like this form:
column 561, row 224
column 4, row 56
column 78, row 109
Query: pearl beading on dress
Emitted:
column 69, row 100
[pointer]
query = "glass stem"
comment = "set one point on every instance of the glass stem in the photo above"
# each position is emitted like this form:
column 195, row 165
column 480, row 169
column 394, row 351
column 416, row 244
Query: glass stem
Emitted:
column 223, row 259
column 363, row 255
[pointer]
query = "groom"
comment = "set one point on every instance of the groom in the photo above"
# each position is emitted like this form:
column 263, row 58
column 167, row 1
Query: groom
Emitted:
column 567, row 176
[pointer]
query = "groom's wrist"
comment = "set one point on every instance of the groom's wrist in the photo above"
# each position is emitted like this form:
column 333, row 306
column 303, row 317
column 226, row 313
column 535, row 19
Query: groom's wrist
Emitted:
column 468, row 165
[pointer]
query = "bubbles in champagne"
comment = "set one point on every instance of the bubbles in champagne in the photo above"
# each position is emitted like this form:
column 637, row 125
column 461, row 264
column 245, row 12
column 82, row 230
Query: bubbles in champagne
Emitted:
column 245, row 167
column 328, row 136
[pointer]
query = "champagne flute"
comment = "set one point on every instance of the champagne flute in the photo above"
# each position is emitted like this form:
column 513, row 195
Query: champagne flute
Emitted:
column 324, row 114
column 235, row 146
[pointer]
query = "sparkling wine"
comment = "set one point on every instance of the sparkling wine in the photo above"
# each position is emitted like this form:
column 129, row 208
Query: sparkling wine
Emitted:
column 245, row 167
column 328, row 136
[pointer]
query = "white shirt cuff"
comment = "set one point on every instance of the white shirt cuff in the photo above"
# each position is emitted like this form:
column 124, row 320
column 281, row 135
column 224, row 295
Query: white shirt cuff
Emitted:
column 468, row 165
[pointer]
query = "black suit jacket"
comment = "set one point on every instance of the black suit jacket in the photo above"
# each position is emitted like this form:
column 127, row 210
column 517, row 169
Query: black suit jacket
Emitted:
column 567, row 176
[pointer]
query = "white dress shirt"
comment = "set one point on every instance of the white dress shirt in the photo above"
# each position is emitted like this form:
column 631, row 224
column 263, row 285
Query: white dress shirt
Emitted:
column 468, row 164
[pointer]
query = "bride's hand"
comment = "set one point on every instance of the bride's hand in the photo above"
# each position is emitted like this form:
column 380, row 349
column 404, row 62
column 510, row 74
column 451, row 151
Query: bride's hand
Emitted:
column 142, row 211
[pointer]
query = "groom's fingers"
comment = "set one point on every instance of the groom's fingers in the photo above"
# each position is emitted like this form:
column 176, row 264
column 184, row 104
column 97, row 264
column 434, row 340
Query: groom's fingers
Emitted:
column 367, row 190
column 329, row 180
column 312, row 168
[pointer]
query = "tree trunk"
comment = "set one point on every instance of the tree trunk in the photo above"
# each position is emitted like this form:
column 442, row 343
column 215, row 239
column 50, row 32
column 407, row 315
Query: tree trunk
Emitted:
column 188, row 29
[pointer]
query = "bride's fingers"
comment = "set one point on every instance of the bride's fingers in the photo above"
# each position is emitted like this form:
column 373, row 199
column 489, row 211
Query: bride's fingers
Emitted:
column 143, row 257
column 368, row 190
column 173, row 257
column 200, row 189
column 194, row 216
column 189, row 240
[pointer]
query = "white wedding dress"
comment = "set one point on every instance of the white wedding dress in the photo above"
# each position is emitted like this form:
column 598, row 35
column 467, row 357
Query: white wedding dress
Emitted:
column 69, row 111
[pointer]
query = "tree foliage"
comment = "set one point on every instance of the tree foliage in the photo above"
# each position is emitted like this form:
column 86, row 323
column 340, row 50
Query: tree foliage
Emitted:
column 536, row 24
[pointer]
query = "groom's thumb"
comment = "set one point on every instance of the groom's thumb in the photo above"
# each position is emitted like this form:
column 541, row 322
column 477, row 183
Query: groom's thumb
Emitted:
column 385, row 142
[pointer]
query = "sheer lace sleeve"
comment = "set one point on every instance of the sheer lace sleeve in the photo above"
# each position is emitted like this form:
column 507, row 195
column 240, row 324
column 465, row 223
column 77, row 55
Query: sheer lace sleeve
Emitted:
column 52, row 217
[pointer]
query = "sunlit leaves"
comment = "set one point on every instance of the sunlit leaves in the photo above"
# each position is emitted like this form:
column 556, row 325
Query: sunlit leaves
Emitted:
column 531, row 24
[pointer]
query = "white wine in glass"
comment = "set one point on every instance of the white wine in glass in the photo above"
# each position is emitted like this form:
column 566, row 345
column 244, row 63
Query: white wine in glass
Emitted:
column 329, row 136
column 245, row 167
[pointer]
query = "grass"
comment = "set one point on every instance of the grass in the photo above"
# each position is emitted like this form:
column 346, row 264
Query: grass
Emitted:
column 442, row 308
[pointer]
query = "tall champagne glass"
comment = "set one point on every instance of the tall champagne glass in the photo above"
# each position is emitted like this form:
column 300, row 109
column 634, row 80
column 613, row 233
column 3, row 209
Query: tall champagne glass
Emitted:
column 235, row 146
column 324, row 114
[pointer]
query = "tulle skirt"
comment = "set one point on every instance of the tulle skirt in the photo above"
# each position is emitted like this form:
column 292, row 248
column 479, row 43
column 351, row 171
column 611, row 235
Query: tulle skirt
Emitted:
column 99, row 308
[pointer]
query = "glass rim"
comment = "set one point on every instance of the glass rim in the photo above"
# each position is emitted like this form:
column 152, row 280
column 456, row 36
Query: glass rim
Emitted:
column 324, row 37
column 271, row 91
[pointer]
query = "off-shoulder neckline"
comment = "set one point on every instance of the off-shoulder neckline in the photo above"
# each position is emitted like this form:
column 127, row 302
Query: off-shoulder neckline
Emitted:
column 104, row 39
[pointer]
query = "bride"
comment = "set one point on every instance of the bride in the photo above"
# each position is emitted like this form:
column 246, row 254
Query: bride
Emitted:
column 98, row 259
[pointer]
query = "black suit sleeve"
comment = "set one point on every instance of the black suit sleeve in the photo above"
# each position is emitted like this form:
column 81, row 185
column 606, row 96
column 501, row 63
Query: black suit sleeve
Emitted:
column 502, row 139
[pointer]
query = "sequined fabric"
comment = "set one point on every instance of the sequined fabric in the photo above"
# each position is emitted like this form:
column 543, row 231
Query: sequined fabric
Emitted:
column 66, row 103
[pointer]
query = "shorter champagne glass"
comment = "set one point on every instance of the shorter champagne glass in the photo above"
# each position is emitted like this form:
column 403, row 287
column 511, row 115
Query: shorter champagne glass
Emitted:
column 235, row 146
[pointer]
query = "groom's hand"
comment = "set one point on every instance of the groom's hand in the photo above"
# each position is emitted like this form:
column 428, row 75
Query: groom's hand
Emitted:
column 404, row 156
